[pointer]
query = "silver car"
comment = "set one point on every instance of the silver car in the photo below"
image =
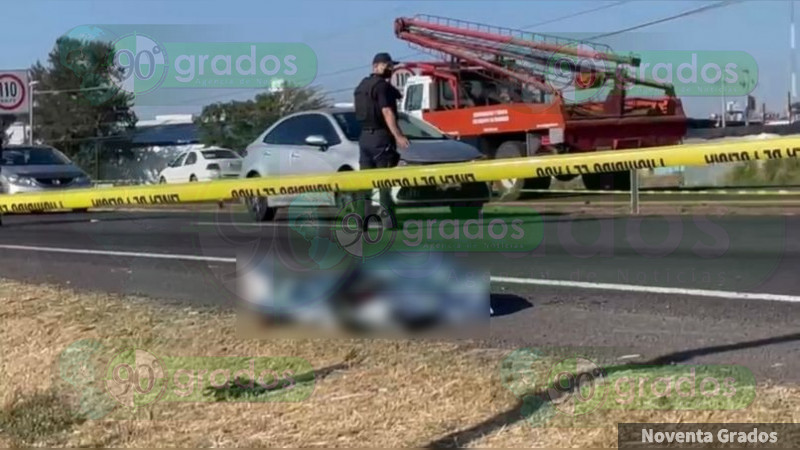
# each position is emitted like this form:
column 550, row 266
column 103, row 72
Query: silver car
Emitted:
column 38, row 168
column 326, row 141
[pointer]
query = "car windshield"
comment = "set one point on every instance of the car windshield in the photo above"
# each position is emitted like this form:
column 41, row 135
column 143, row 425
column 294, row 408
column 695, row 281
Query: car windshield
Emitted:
column 412, row 128
column 219, row 154
column 33, row 157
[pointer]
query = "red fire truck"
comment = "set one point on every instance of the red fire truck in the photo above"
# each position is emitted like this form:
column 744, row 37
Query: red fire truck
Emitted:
column 514, row 94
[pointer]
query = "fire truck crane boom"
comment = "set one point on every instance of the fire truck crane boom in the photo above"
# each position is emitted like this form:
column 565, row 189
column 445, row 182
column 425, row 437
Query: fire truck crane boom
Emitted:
column 406, row 26
column 513, row 93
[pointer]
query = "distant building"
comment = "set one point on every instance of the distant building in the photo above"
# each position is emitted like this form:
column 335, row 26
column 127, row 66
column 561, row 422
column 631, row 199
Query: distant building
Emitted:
column 151, row 146
column 169, row 130
column 277, row 85
column 166, row 119
column 17, row 133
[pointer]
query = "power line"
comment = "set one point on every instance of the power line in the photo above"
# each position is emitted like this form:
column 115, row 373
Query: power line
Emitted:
column 526, row 27
column 579, row 13
column 556, row 19
column 67, row 91
column 362, row 66
column 667, row 19
column 365, row 66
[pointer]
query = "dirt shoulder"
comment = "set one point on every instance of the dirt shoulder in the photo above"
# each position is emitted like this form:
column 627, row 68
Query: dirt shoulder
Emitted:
column 366, row 393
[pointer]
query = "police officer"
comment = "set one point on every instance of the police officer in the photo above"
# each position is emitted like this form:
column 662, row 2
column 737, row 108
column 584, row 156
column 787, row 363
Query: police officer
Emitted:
column 376, row 110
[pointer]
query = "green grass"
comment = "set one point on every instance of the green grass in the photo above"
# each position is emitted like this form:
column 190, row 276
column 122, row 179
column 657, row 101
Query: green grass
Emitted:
column 552, row 398
column 38, row 418
column 772, row 172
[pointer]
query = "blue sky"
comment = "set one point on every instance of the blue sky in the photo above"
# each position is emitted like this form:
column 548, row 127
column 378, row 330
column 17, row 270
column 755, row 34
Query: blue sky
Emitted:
column 346, row 33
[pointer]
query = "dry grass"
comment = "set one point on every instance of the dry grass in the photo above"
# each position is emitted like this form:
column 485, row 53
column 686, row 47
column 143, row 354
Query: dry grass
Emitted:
column 374, row 393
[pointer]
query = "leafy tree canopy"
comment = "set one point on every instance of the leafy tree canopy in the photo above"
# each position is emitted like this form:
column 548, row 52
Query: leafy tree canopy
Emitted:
column 77, row 99
column 235, row 124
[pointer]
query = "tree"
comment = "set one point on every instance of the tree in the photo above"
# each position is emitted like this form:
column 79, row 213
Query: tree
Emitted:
column 235, row 124
column 84, row 102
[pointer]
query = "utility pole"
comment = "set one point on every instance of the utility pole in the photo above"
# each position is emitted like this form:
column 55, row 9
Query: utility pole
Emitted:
column 792, row 61
column 746, row 85
column 724, row 106
column 31, row 85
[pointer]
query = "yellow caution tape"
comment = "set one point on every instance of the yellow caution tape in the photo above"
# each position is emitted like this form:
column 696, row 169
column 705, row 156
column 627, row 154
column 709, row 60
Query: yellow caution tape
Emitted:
column 675, row 191
column 406, row 176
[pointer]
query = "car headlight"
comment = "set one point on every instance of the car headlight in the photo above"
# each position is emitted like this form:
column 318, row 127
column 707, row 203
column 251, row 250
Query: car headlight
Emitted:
column 83, row 179
column 21, row 180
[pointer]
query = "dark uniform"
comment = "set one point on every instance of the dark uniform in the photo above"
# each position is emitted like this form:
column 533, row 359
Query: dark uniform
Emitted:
column 2, row 144
column 377, row 145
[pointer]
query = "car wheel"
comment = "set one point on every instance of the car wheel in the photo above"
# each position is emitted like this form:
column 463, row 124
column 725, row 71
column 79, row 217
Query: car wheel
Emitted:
column 259, row 208
column 192, row 179
column 162, row 180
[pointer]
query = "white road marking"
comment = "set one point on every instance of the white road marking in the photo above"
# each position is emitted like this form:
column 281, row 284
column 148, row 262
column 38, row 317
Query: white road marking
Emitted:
column 79, row 251
column 649, row 289
column 495, row 279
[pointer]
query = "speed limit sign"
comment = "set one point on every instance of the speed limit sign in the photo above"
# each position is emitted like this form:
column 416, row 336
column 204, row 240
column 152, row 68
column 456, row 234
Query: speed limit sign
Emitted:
column 13, row 92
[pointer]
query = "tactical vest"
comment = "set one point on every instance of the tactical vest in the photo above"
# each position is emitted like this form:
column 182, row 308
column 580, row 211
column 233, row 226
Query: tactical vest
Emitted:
column 367, row 111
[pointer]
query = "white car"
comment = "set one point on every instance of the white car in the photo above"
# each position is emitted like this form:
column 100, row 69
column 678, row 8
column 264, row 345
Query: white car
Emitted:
column 206, row 164
column 325, row 141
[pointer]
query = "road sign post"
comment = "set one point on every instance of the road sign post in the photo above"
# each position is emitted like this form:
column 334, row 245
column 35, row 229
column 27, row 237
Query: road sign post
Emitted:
column 635, row 192
column 14, row 101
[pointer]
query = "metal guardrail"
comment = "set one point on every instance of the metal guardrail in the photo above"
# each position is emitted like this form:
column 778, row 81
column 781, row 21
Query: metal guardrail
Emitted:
column 636, row 192
column 647, row 191
column 106, row 183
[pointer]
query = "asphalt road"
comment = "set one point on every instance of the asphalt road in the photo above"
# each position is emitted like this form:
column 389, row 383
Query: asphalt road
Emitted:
column 684, row 289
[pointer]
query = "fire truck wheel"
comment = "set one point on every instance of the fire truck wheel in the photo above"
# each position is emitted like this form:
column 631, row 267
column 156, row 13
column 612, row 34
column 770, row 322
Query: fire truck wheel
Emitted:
column 614, row 181
column 511, row 189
